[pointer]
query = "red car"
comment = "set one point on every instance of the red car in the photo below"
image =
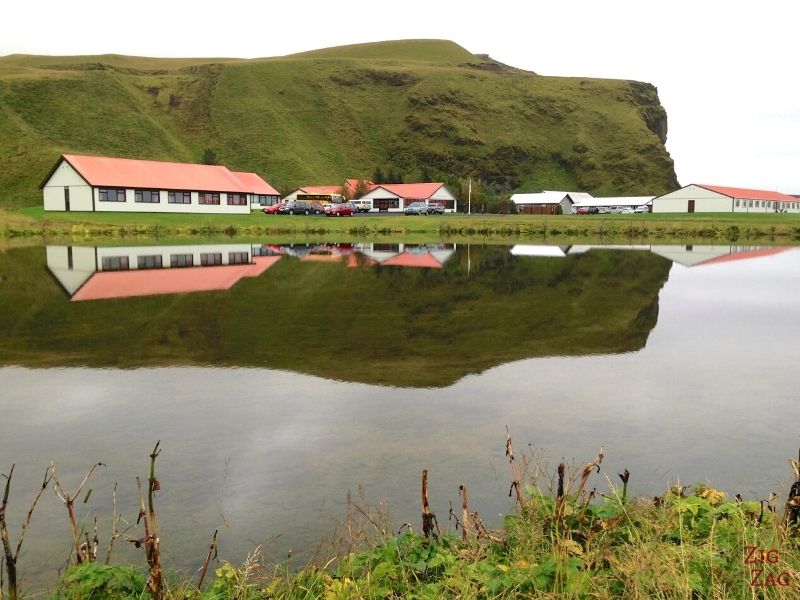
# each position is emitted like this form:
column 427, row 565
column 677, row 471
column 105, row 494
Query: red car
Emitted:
column 271, row 209
column 343, row 209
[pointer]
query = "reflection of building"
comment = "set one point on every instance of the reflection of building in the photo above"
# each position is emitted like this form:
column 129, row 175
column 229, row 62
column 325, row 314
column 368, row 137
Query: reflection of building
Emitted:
column 432, row 256
column 714, row 198
column 688, row 256
column 97, row 183
column 94, row 273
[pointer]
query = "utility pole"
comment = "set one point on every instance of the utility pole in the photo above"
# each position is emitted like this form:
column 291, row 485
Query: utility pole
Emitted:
column 469, row 197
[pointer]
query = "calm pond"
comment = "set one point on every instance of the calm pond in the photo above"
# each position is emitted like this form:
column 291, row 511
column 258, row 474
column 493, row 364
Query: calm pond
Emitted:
column 279, row 377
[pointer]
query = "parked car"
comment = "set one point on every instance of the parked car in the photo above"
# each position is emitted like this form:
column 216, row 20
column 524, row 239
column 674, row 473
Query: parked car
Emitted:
column 435, row 209
column 586, row 210
column 342, row 209
column 362, row 205
column 416, row 208
column 271, row 209
column 642, row 209
column 300, row 207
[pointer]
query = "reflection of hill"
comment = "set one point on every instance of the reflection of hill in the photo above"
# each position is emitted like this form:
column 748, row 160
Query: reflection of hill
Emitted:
column 386, row 325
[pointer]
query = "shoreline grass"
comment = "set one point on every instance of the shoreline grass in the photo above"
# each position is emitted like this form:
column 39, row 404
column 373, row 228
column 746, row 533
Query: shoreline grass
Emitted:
column 729, row 227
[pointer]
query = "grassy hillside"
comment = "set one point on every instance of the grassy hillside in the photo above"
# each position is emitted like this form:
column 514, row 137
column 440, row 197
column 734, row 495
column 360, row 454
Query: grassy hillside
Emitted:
column 413, row 327
column 427, row 109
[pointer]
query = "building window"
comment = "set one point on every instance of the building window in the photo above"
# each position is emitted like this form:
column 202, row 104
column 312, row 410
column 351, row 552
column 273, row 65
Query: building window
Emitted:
column 737, row 204
column 181, row 260
column 208, row 198
column 151, row 261
column 750, row 205
column 236, row 199
column 148, row 196
column 115, row 263
column 264, row 200
column 112, row 195
column 210, row 258
column 238, row 258
column 179, row 197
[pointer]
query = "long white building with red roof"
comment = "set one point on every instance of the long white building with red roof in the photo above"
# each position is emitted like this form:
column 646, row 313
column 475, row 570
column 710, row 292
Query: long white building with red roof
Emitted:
column 714, row 198
column 105, row 184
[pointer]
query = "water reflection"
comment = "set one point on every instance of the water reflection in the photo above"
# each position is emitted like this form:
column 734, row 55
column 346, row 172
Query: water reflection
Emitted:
column 421, row 315
column 710, row 394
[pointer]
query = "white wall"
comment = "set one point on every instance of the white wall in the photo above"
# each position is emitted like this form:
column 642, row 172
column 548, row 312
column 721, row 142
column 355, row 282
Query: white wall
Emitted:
column 130, row 205
column 705, row 201
column 80, row 193
column 71, row 277
column 444, row 194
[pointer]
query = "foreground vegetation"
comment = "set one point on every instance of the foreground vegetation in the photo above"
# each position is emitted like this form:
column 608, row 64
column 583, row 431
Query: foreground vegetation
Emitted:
column 34, row 222
column 565, row 539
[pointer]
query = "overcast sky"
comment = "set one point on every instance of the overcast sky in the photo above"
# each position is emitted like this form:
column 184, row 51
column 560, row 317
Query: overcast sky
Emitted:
column 727, row 72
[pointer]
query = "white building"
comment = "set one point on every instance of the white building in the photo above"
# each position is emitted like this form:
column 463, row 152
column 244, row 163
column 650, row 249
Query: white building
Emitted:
column 103, row 184
column 394, row 197
column 713, row 198
column 548, row 202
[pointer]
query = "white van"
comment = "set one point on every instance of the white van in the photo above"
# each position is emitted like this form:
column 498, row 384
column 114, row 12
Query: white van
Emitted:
column 362, row 205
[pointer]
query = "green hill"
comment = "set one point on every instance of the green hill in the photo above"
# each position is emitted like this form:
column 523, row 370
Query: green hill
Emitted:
column 426, row 109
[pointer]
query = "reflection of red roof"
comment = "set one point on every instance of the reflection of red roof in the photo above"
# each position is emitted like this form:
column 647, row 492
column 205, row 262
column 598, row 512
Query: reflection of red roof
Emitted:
column 748, row 194
column 321, row 258
column 125, row 284
column 412, row 191
column 744, row 255
column 128, row 173
column 353, row 260
column 255, row 185
column 407, row 259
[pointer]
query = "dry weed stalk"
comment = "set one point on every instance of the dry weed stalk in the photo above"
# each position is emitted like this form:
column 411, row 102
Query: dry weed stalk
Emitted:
column 428, row 518
column 10, row 557
column 362, row 519
column 791, row 513
column 515, row 484
column 84, row 551
column 212, row 553
column 462, row 491
column 150, row 541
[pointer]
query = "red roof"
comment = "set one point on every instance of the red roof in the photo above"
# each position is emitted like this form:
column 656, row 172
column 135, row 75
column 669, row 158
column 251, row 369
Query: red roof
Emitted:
column 103, row 171
column 411, row 191
column 256, row 185
column 406, row 259
column 743, row 255
column 748, row 194
column 104, row 285
column 321, row 189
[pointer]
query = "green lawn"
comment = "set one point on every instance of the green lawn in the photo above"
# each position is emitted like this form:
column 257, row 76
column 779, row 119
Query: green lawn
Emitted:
column 784, row 228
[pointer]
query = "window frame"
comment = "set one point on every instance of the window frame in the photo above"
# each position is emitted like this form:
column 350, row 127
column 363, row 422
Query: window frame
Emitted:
column 139, row 195
column 173, row 194
column 202, row 198
column 104, row 191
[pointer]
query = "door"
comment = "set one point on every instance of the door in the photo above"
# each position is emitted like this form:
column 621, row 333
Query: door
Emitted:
column 382, row 204
column 66, row 198
column 691, row 206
